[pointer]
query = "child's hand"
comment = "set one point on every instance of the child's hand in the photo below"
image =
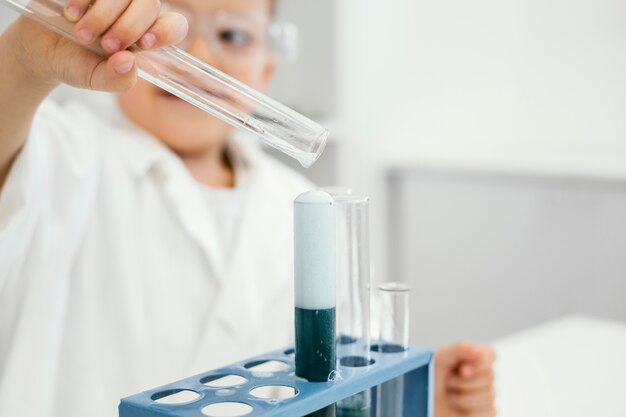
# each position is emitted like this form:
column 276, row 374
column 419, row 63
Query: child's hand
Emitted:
column 464, row 381
column 50, row 59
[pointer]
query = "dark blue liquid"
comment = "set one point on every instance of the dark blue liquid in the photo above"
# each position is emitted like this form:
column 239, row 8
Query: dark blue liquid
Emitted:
column 315, row 344
column 324, row 412
column 349, row 412
column 358, row 405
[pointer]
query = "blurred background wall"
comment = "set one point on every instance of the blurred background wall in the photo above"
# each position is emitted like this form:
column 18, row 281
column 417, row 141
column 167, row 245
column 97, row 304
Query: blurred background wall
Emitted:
column 491, row 136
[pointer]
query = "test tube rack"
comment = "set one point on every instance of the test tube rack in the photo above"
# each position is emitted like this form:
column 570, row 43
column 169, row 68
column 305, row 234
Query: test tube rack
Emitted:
column 415, row 364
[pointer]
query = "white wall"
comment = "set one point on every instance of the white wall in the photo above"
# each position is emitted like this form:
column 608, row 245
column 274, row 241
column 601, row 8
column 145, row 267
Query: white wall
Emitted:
column 531, row 82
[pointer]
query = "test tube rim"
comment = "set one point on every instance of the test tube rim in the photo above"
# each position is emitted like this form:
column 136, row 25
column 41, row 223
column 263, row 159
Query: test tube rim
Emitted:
column 351, row 199
column 337, row 190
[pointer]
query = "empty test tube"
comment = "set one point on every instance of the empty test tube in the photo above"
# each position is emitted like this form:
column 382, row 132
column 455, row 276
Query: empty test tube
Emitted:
column 353, row 293
column 394, row 339
column 315, row 304
column 353, row 275
column 202, row 85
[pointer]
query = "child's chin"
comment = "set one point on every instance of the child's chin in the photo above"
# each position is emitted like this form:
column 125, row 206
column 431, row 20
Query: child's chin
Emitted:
column 191, row 144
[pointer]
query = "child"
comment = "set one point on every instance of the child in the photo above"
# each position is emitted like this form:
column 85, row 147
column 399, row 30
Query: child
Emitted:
column 139, row 250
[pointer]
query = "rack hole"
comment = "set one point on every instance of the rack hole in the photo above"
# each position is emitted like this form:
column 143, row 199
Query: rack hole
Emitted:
column 175, row 396
column 355, row 361
column 346, row 340
column 227, row 409
column 221, row 381
column 291, row 353
column 388, row 348
column 274, row 392
column 267, row 366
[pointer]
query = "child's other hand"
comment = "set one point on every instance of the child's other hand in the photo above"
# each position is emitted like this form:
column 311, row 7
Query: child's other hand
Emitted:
column 50, row 59
column 464, row 381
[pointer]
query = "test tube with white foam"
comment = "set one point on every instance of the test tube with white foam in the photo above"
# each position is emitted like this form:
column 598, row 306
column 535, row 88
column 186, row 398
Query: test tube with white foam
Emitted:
column 315, row 303
column 394, row 339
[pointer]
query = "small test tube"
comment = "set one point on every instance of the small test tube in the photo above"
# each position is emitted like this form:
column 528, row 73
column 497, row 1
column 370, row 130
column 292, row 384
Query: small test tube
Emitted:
column 394, row 339
column 315, row 300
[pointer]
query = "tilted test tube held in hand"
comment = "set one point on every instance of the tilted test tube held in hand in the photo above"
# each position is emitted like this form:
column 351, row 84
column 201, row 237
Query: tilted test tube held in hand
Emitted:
column 315, row 304
column 202, row 85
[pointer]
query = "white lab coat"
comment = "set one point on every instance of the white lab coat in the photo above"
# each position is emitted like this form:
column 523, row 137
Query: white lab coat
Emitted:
column 112, row 278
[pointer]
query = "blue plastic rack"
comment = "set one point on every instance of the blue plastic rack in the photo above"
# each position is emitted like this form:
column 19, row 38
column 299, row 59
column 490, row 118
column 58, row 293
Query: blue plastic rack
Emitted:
column 416, row 364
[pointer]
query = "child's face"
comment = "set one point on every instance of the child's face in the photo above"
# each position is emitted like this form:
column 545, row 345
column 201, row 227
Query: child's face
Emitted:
column 179, row 125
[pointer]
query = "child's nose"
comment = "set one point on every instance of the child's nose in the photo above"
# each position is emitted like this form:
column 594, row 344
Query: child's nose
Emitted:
column 201, row 48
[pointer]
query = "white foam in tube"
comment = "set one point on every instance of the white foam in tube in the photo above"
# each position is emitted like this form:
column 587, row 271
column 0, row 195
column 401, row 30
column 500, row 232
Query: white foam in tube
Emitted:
column 315, row 253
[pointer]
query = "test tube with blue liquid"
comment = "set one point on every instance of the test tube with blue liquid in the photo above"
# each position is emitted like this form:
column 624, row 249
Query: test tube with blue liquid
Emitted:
column 203, row 86
column 394, row 339
column 315, row 291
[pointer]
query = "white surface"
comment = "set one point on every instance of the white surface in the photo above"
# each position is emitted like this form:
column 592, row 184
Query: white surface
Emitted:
column 571, row 367
column 314, row 250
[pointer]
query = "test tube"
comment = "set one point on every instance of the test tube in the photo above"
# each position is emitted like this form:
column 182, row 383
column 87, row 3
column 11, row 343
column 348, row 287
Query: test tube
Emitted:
column 202, row 85
column 394, row 339
column 315, row 300
column 353, row 294
column 353, row 274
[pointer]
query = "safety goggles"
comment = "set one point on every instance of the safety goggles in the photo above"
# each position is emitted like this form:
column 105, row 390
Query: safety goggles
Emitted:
column 238, row 37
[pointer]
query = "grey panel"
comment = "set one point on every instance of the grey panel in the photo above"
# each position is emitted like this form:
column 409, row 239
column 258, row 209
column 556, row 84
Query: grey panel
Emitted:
column 490, row 254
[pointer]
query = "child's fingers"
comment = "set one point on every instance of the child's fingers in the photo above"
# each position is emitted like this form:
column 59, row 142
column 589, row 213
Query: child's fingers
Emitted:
column 132, row 24
column 488, row 412
column 468, row 369
column 479, row 381
column 169, row 29
column 75, row 9
column 98, row 19
column 118, row 73
column 451, row 356
column 475, row 401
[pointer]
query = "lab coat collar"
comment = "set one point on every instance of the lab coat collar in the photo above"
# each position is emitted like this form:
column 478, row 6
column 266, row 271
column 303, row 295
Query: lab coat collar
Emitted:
column 240, row 309
column 143, row 151
column 140, row 150
column 186, row 199
column 145, row 156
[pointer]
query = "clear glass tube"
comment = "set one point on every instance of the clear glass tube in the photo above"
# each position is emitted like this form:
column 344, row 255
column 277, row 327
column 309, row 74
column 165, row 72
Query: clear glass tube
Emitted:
column 353, row 292
column 353, row 275
column 394, row 339
column 394, row 316
column 204, row 86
